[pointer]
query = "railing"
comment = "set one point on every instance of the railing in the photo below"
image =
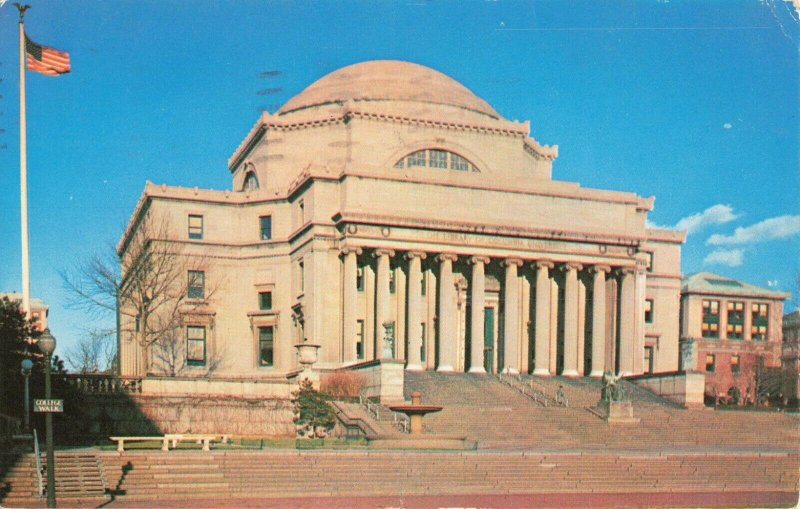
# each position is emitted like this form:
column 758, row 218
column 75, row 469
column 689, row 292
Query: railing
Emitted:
column 372, row 408
column 99, row 383
column 528, row 390
column 38, row 455
column 399, row 421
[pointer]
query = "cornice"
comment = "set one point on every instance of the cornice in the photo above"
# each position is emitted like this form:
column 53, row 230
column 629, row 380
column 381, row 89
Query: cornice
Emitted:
column 347, row 114
column 484, row 229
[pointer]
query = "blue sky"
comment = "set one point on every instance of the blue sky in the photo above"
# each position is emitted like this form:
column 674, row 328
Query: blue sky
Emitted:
column 695, row 103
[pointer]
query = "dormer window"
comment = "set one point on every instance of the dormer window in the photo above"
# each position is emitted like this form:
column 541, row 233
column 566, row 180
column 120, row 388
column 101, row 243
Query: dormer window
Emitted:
column 435, row 158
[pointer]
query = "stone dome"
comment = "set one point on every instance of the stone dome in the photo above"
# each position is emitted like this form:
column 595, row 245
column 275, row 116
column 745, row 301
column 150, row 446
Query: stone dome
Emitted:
column 388, row 80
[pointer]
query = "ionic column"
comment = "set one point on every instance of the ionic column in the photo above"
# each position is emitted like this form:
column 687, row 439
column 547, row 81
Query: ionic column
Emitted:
column 511, row 317
column 349, row 299
column 571, row 319
column 599, row 320
column 477, row 289
column 414, row 326
column 542, row 338
column 381, row 297
column 447, row 312
column 627, row 320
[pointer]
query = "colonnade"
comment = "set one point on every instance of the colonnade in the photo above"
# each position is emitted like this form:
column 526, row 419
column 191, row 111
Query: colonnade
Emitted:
column 629, row 330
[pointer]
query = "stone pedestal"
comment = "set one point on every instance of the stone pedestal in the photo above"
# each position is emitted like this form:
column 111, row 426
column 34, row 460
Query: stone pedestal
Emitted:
column 618, row 412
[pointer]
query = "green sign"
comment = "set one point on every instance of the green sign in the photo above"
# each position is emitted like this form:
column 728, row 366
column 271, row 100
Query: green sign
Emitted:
column 48, row 406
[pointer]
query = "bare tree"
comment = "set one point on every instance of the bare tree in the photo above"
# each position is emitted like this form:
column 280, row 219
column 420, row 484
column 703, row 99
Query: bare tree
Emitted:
column 153, row 285
column 96, row 352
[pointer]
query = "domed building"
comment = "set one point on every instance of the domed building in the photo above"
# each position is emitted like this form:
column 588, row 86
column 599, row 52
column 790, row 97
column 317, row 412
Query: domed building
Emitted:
column 388, row 214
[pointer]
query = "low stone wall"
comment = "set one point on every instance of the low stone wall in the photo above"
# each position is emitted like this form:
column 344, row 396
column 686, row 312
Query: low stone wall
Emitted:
column 147, row 414
column 280, row 387
column 686, row 388
column 383, row 379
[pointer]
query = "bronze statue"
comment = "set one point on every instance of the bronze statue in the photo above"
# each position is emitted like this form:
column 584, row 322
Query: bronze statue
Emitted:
column 612, row 390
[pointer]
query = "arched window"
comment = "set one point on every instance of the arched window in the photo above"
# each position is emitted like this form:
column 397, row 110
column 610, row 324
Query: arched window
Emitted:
column 250, row 181
column 436, row 158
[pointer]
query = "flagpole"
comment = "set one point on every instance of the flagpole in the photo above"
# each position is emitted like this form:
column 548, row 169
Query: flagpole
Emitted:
column 23, row 167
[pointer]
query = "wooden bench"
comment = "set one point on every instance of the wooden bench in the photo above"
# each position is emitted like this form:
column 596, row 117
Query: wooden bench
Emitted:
column 174, row 438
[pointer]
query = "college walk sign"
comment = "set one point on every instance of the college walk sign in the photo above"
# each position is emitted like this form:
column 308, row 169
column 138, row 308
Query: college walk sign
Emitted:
column 48, row 406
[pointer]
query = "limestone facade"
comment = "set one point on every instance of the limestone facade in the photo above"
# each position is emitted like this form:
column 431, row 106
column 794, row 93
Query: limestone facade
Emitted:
column 387, row 199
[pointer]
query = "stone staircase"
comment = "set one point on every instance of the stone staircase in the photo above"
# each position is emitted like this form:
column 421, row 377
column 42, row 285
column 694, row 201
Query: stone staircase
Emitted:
column 79, row 478
column 498, row 416
column 179, row 475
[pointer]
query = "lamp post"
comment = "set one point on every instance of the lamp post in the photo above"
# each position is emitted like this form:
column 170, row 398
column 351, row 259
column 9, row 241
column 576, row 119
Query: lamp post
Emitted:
column 47, row 344
column 27, row 366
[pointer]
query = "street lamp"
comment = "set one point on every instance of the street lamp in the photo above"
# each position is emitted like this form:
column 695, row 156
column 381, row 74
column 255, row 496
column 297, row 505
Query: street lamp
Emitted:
column 47, row 344
column 27, row 366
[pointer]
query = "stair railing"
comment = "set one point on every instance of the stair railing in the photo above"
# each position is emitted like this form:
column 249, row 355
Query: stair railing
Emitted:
column 38, row 455
column 401, row 422
column 526, row 389
column 372, row 408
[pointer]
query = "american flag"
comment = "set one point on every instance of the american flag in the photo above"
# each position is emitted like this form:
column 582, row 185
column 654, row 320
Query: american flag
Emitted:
column 49, row 61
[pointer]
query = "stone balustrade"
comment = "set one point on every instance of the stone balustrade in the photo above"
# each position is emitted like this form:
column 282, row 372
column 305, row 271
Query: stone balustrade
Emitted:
column 100, row 383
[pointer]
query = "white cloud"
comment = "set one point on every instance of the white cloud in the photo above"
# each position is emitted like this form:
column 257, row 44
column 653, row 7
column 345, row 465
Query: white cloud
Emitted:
column 774, row 228
column 727, row 125
column 729, row 257
column 716, row 214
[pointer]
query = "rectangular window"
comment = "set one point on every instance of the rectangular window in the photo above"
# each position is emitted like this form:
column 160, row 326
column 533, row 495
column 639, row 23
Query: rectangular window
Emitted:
column 195, row 345
column 392, row 281
column 760, row 325
column 735, row 320
column 416, row 159
column 734, row 363
column 710, row 328
column 301, row 275
column 265, row 227
column 360, row 279
column 197, row 284
column 709, row 363
column 422, row 285
column 649, row 262
column 437, row 158
column 360, row 340
column 301, row 212
column 648, row 311
column 265, row 301
column 648, row 359
column 458, row 163
column 422, row 349
column 266, row 346
column 195, row 227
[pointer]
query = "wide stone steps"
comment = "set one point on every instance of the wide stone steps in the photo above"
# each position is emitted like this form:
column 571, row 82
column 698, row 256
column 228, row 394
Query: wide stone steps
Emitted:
column 497, row 416
column 79, row 478
column 348, row 473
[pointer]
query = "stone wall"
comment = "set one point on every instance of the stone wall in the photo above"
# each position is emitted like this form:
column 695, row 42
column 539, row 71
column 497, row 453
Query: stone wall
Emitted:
column 143, row 414
column 683, row 387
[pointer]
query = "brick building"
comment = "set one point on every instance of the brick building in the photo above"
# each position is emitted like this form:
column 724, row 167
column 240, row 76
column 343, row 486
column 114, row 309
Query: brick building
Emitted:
column 730, row 330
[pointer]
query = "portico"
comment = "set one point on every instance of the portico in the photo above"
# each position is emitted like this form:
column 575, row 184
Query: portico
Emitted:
column 577, row 327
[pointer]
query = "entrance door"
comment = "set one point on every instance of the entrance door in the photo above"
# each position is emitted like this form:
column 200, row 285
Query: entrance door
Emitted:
column 488, row 339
